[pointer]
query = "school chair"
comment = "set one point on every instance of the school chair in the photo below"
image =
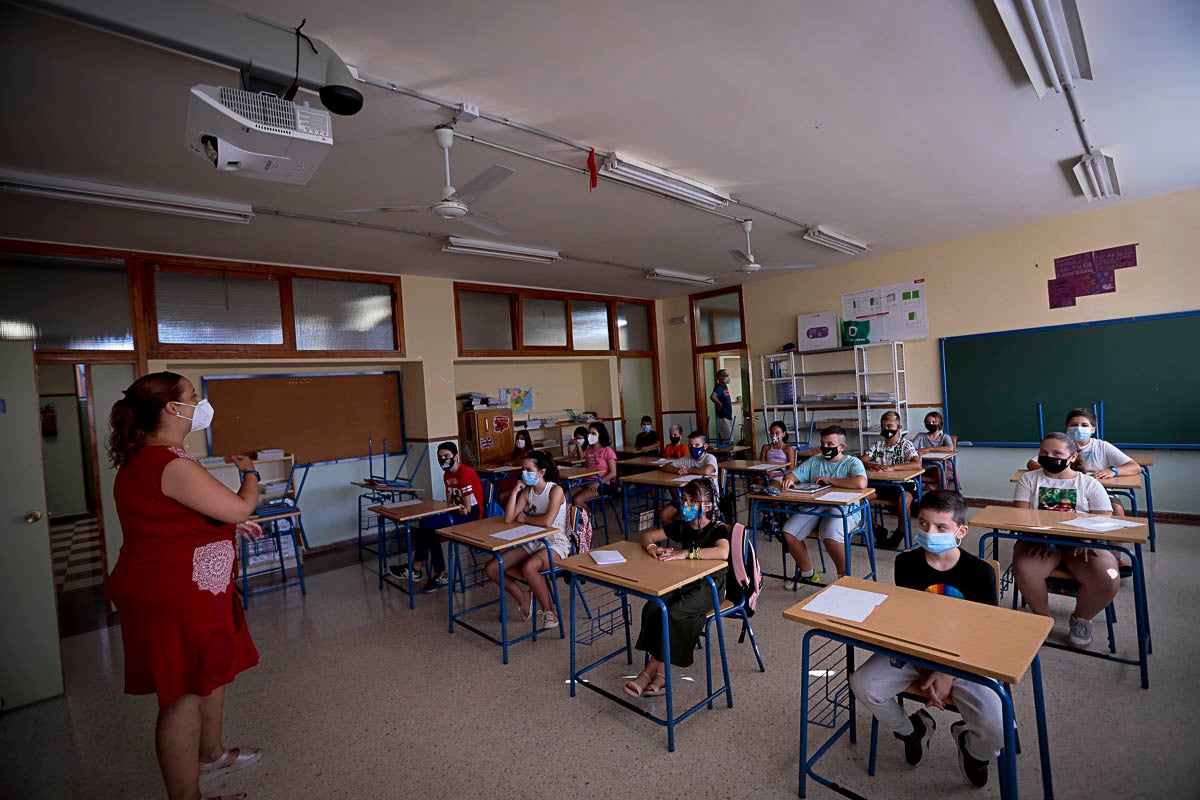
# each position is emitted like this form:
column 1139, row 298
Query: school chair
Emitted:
column 399, row 483
column 270, row 517
column 608, row 496
column 731, row 610
column 914, row 693
column 1062, row 582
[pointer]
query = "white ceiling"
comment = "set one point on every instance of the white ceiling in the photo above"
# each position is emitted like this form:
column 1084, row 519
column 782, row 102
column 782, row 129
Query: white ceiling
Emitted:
column 898, row 123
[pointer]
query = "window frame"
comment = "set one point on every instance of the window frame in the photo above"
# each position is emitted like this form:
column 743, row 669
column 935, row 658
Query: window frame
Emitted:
column 694, row 315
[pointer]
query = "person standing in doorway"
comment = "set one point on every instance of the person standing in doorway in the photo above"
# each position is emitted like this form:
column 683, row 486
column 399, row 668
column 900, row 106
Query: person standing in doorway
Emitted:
column 724, row 408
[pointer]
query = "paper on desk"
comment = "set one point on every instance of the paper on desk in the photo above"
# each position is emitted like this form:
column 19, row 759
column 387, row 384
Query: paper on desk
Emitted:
column 517, row 532
column 603, row 557
column 839, row 497
column 936, row 456
column 684, row 478
column 662, row 461
column 1100, row 523
column 765, row 467
column 403, row 503
column 845, row 603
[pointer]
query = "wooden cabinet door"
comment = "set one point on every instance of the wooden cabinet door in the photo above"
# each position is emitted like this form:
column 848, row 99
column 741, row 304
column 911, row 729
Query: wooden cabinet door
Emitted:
column 495, row 434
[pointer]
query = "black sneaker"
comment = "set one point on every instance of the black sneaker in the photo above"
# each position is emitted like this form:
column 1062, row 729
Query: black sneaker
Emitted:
column 917, row 742
column 401, row 571
column 1124, row 568
column 895, row 540
column 974, row 770
column 881, row 536
column 436, row 582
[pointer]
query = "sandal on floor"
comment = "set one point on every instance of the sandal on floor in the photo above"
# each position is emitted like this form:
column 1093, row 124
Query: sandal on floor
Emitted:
column 230, row 761
column 634, row 688
column 656, row 689
column 528, row 615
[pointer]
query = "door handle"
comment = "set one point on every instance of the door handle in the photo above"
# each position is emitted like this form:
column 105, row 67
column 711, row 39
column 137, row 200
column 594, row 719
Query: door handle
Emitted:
column 33, row 516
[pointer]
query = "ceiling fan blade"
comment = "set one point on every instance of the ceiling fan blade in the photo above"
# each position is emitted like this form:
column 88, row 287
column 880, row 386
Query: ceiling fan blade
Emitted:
column 481, row 184
column 788, row 266
column 484, row 223
column 381, row 208
column 740, row 257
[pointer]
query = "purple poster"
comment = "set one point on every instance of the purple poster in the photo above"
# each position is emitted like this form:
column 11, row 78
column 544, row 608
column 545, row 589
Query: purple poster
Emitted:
column 1098, row 282
column 1068, row 266
column 1116, row 257
column 1062, row 292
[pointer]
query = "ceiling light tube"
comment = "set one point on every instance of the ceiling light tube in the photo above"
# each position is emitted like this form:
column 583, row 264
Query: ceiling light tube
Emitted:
column 1097, row 176
column 35, row 185
column 513, row 252
column 648, row 176
column 1048, row 38
column 835, row 241
column 680, row 277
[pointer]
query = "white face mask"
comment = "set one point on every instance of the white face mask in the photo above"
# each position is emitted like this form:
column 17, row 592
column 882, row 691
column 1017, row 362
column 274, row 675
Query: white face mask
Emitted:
column 593, row 438
column 201, row 418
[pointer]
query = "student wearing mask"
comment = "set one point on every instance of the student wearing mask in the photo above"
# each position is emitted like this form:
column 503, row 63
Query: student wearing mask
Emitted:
column 578, row 444
column 938, row 565
column 834, row 468
column 598, row 455
column 676, row 448
column 522, row 447
column 697, row 462
column 724, row 407
column 1057, row 486
column 934, row 440
column 777, row 451
column 890, row 451
column 647, row 440
column 464, row 492
column 538, row 501
column 1096, row 457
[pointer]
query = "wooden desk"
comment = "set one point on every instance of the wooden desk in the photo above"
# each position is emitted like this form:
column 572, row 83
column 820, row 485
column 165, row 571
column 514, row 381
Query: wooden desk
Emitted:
column 899, row 477
column 644, row 576
column 374, row 486
column 1143, row 459
column 402, row 515
column 625, row 453
column 946, row 464
column 658, row 483
column 651, row 462
column 792, row 502
column 1146, row 461
column 1124, row 486
column 481, row 535
column 983, row 644
column 568, row 461
column 1047, row 527
column 727, row 451
column 733, row 468
column 376, row 493
column 573, row 477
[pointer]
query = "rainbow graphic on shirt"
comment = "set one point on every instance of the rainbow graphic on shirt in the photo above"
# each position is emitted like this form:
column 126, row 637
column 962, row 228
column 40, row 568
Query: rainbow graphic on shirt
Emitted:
column 944, row 589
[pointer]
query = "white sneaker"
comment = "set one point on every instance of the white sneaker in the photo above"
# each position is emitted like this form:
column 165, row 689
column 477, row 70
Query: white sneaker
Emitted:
column 1080, row 634
column 547, row 619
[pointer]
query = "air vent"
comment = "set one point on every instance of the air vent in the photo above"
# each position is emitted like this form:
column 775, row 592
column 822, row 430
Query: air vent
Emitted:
column 264, row 110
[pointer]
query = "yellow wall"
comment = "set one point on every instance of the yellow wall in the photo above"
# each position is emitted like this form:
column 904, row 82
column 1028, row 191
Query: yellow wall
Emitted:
column 997, row 281
column 556, row 384
column 676, row 369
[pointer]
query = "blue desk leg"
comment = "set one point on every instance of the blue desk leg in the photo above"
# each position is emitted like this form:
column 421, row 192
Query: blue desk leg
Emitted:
column 662, row 610
column 624, row 509
column 803, row 718
column 1039, row 705
column 381, row 547
column 1141, row 616
column 574, row 588
column 452, row 557
column 408, row 546
column 503, row 608
column 903, row 514
column 1149, row 505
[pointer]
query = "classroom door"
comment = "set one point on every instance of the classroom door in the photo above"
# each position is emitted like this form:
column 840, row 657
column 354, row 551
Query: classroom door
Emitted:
column 31, row 669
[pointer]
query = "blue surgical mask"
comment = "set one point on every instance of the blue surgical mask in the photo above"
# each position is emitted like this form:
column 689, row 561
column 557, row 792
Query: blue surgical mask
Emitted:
column 696, row 452
column 529, row 478
column 689, row 512
column 1080, row 433
column 936, row 542
column 647, row 428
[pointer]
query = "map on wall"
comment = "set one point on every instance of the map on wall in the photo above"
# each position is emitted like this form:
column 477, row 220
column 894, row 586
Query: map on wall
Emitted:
column 519, row 399
column 896, row 311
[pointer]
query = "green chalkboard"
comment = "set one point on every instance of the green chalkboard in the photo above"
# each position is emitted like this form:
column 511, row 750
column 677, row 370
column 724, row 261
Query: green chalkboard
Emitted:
column 1139, row 368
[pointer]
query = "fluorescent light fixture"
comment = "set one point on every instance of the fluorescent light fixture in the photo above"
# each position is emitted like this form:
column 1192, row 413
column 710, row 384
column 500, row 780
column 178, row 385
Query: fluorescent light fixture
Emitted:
column 648, row 176
column 1048, row 38
column 1097, row 176
column 835, row 241
column 104, row 194
column 680, row 277
column 515, row 252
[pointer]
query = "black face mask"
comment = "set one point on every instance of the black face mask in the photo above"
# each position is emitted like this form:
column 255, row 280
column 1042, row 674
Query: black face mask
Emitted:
column 674, row 440
column 447, row 464
column 1053, row 466
column 931, row 427
column 829, row 453
column 888, row 433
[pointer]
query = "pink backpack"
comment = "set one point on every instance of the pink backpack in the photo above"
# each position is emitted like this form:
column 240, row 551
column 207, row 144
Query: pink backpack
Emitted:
column 580, row 525
column 747, row 577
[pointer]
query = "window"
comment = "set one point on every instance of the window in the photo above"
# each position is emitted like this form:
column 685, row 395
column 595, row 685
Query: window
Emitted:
column 543, row 322
column 343, row 315
column 485, row 320
column 633, row 326
column 65, row 303
column 214, row 308
column 589, row 325
column 720, row 319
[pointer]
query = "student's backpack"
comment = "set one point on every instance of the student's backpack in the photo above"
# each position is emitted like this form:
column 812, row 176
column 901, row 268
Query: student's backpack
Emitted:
column 579, row 523
column 746, row 577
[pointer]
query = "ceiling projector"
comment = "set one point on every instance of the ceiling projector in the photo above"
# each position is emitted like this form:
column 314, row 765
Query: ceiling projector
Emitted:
column 257, row 135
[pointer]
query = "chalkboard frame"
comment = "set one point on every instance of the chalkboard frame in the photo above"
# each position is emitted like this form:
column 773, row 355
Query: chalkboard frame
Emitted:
column 1089, row 324
column 399, row 398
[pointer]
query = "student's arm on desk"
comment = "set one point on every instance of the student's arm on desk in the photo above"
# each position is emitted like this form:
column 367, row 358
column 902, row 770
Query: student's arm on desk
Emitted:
column 541, row 520
column 856, row 482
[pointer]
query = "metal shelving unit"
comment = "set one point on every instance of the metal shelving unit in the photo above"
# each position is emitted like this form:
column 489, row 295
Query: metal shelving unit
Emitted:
column 883, row 361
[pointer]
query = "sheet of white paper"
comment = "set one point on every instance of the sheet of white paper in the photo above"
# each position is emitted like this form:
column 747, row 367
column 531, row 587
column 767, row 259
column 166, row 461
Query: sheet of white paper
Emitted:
column 845, row 603
column 765, row 467
column 683, row 478
column 935, row 456
column 838, row 497
column 1100, row 523
column 403, row 503
column 517, row 532
column 607, row 557
column 662, row 461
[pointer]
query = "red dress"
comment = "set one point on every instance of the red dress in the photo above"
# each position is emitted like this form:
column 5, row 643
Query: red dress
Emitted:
column 181, row 621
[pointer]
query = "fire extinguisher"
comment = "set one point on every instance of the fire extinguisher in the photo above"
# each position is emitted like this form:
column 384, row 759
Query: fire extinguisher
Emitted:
column 49, row 422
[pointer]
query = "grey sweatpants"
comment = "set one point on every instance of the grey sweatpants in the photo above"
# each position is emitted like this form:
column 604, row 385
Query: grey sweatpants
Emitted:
column 876, row 684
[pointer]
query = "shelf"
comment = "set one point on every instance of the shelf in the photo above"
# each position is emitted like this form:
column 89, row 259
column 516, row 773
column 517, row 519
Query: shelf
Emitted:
column 827, row 372
column 884, row 372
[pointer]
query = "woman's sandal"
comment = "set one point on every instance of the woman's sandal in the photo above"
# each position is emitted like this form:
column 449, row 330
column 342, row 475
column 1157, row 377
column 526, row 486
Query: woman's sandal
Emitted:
column 657, row 687
column 637, row 687
column 527, row 615
column 230, row 761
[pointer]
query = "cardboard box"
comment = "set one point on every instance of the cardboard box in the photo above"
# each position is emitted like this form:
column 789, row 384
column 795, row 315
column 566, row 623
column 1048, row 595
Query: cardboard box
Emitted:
column 817, row 331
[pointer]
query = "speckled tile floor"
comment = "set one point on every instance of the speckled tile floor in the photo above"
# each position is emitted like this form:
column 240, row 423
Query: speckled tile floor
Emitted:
column 359, row 697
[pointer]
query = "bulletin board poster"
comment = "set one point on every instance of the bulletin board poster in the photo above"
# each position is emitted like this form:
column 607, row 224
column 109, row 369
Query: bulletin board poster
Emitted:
column 896, row 311
column 519, row 399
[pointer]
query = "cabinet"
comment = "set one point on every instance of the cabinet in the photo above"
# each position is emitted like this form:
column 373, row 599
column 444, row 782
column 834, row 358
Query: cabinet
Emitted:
column 486, row 435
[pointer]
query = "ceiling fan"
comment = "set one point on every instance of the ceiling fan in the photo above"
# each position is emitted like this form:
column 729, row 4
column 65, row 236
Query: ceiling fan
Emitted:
column 746, row 260
column 455, row 203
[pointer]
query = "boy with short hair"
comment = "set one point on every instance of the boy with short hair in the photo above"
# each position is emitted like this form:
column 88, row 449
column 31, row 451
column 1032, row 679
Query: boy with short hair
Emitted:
column 676, row 448
column 939, row 566
column 887, row 453
column 647, row 440
column 835, row 468
column 698, row 461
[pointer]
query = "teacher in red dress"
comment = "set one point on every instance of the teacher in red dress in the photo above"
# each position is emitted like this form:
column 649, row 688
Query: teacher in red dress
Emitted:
column 182, row 625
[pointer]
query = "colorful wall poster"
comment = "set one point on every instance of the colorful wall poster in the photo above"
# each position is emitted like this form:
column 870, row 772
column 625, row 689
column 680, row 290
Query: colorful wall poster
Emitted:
column 897, row 311
column 518, row 398
column 1083, row 274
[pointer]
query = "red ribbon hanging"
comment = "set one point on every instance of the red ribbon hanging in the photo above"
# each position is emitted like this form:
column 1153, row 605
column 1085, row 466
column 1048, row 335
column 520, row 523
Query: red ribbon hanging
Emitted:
column 593, row 173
